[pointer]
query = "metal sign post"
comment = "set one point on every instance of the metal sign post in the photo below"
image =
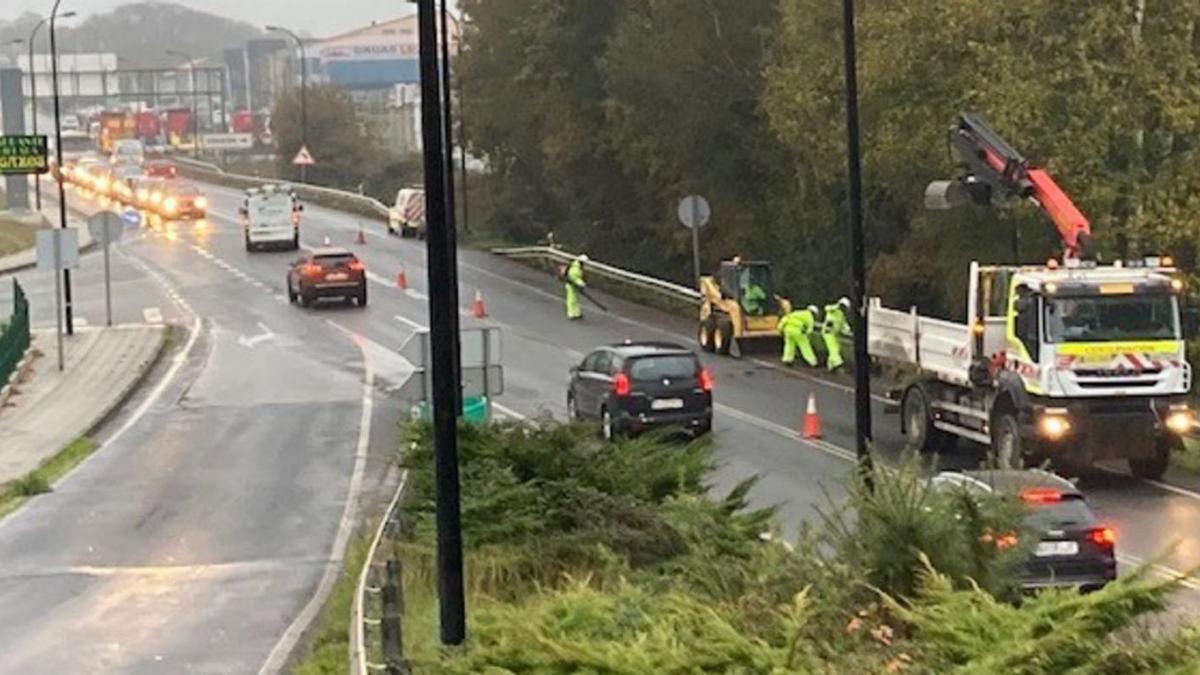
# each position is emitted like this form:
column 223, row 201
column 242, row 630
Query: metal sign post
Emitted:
column 694, row 213
column 106, row 227
column 58, row 250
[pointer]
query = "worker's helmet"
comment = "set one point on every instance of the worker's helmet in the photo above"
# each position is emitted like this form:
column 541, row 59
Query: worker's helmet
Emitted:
column 583, row 258
column 813, row 309
column 844, row 302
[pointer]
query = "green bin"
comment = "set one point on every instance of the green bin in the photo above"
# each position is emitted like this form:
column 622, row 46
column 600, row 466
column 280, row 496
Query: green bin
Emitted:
column 474, row 410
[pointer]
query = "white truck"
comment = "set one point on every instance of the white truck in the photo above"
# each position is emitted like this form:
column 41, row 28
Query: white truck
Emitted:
column 271, row 217
column 407, row 216
column 1073, row 361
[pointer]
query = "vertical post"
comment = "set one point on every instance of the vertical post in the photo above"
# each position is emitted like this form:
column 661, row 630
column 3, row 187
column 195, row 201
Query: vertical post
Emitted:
column 58, row 306
column 37, row 177
column 107, row 277
column 451, row 230
column 487, row 363
column 195, row 109
column 303, row 108
column 443, row 310
column 390, row 627
column 862, row 375
column 62, row 193
column 696, row 239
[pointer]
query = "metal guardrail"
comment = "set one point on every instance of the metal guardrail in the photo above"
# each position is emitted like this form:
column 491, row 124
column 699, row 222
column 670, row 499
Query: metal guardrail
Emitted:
column 666, row 288
column 370, row 653
column 305, row 190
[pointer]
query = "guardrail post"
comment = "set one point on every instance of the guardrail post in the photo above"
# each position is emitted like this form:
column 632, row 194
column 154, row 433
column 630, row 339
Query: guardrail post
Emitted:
column 389, row 624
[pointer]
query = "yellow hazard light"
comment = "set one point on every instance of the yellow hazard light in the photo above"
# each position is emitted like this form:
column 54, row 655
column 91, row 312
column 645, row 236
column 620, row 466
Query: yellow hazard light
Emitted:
column 1177, row 285
column 1116, row 289
column 1167, row 261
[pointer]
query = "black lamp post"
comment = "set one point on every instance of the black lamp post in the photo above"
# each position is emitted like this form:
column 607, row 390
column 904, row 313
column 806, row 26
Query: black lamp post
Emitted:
column 303, row 95
column 62, row 192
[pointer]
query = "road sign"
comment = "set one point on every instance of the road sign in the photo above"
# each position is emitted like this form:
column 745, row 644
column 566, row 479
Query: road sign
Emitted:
column 106, row 227
column 303, row 157
column 694, row 211
column 57, row 248
column 226, row 141
column 132, row 217
column 24, row 154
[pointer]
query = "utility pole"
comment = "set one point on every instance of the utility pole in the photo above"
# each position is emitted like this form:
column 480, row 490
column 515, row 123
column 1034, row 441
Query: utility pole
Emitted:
column 443, row 310
column 451, row 216
column 62, row 193
column 862, row 374
column 37, row 177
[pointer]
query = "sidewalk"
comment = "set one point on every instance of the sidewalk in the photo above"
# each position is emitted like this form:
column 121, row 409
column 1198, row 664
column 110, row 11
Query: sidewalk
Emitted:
column 48, row 409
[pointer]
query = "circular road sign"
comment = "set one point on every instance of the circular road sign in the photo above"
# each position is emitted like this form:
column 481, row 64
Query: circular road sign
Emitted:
column 694, row 211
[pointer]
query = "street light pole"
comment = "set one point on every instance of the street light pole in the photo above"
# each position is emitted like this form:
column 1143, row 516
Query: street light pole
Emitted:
column 862, row 376
column 37, row 177
column 303, row 95
column 195, row 114
column 62, row 192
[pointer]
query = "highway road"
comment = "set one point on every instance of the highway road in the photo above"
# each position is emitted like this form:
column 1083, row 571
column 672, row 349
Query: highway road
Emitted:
column 193, row 539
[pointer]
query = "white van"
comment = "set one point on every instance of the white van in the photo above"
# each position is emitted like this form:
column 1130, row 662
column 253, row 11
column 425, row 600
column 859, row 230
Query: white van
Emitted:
column 271, row 216
column 407, row 217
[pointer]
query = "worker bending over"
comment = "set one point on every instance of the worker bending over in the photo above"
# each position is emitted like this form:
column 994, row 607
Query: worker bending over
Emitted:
column 574, row 281
column 797, row 328
column 832, row 329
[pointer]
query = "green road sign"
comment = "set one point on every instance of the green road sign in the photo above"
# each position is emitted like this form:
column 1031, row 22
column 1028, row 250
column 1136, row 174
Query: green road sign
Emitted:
column 23, row 154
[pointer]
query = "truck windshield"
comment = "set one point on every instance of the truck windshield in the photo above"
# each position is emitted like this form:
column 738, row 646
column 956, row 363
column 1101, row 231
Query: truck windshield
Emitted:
column 1112, row 318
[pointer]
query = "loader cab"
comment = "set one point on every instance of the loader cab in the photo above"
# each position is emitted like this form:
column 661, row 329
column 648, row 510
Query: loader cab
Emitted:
column 741, row 280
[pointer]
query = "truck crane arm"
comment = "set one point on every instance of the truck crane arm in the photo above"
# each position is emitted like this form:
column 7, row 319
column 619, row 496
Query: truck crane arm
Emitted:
column 996, row 173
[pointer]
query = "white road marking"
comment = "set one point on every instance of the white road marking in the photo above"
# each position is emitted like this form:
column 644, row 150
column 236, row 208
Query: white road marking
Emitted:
column 152, row 315
column 79, row 322
column 1184, row 579
column 253, row 340
column 409, row 322
column 278, row 656
column 415, row 294
column 508, row 411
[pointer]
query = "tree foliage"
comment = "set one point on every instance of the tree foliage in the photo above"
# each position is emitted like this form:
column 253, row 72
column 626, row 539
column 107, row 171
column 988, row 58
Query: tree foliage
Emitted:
column 345, row 153
column 597, row 117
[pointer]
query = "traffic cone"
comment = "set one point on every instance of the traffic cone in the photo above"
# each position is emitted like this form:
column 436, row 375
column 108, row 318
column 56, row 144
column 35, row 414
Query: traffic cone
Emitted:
column 402, row 280
column 812, row 421
column 360, row 238
column 477, row 308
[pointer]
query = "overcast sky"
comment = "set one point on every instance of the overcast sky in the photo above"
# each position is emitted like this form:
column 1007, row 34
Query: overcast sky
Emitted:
column 320, row 18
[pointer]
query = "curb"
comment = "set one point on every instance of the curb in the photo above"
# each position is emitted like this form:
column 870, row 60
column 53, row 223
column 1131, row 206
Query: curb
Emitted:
column 137, row 382
column 21, row 267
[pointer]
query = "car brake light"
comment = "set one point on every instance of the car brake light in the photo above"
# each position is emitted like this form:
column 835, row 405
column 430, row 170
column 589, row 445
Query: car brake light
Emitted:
column 1103, row 536
column 621, row 386
column 1041, row 496
column 356, row 266
column 1006, row 541
column 706, row 379
column 311, row 270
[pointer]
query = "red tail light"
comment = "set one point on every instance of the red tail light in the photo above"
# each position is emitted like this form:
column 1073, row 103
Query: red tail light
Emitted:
column 621, row 386
column 1041, row 496
column 312, row 270
column 706, row 379
column 356, row 266
column 1103, row 536
column 1006, row 541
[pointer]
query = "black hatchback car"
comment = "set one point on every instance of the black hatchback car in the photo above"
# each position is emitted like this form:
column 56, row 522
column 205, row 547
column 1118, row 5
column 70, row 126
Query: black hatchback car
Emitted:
column 1073, row 548
column 635, row 386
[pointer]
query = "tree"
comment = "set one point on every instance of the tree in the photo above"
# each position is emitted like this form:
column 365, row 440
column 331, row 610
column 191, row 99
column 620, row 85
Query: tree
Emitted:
column 345, row 154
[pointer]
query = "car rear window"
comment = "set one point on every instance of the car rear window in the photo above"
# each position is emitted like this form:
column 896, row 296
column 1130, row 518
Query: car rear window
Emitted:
column 334, row 259
column 658, row 367
column 1071, row 511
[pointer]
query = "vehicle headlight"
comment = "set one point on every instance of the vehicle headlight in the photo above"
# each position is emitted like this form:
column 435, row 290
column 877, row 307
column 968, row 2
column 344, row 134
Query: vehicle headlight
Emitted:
column 101, row 184
column 169, row 204
column 1054, row 424
column 142, row 195
column 1181, row 421
column 200, row 202
column 156, row 198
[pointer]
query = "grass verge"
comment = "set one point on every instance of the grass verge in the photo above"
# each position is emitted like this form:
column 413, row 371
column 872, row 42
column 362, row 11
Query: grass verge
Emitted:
column 327, row 649
column 39, row 481
column 15, row 236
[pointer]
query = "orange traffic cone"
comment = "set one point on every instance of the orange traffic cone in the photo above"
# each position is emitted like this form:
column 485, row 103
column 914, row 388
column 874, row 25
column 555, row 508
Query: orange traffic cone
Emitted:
column 477, row 308
column 812, row 421
column 360, row 238
column 402, row 280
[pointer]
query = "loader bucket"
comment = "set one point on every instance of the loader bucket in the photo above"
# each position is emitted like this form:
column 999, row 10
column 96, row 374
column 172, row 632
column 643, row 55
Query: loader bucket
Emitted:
column 759, row 345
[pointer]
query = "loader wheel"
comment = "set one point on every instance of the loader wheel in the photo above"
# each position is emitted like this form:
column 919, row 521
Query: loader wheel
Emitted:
column 722, row 336
column 1007, row 452
column 1154, row 467
column 704, row 334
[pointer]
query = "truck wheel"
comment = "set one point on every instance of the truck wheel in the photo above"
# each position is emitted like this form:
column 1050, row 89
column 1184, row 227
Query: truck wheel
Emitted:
column 918, row 422
column 704, row 334
column 722, row 335
column 1007, row 452
column 1154, row 467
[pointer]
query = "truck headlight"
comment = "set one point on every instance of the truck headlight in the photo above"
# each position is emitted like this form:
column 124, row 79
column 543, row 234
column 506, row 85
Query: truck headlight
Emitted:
column 1054, row 424
column 169, row 204
column 1181, row 421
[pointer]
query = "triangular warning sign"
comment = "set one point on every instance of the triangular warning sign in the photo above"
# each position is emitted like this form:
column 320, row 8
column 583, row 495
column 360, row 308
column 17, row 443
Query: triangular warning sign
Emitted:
column 303, row 157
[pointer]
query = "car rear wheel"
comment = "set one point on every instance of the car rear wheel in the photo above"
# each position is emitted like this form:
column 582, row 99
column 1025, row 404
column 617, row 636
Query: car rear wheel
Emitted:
column 1007, row 452
column 1154, row 467
column 572, row 409
column 362, row 297
column 291, row 293
column 306, row 299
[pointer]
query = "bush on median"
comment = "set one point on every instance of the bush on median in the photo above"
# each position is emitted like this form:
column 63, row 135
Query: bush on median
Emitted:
column 584, row 556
